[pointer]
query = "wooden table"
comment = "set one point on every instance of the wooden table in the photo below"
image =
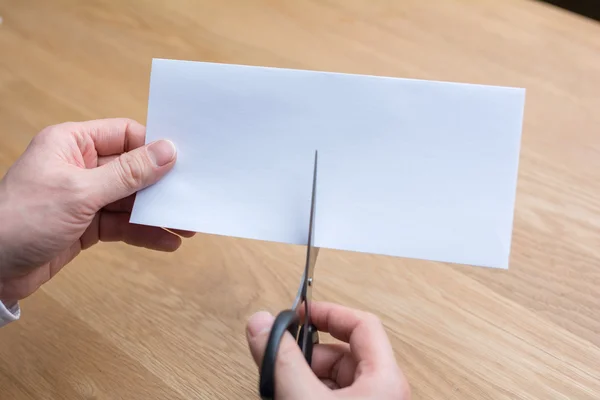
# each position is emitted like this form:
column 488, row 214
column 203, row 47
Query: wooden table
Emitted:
column 121, row 322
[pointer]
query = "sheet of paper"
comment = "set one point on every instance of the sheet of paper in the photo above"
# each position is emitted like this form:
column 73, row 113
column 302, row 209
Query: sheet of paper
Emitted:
column 409, row 168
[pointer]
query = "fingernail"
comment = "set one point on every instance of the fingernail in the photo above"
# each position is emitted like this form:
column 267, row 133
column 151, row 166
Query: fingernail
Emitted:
column 259, row 323
column 161, row 152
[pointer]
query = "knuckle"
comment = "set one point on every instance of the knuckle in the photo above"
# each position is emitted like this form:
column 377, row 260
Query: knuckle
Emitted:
column 56, row 130
column 46, row 134
column 53, row 133
column 130, row 171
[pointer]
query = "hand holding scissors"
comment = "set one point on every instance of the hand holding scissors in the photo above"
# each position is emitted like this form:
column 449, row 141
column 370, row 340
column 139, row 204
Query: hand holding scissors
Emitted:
column 360, row 366
column 297, row 366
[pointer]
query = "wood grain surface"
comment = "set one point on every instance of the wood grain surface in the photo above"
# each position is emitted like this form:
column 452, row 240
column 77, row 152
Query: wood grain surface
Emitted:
column 126, row 323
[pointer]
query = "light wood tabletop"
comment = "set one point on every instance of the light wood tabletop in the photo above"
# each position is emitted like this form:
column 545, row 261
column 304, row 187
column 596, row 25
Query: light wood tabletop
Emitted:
column 128, row 323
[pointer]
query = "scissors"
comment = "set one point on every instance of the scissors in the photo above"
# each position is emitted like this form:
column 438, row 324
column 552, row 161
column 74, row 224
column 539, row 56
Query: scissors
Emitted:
column 288, row 320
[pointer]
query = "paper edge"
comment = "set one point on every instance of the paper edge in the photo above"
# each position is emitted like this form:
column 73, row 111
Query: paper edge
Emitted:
column 314, row 71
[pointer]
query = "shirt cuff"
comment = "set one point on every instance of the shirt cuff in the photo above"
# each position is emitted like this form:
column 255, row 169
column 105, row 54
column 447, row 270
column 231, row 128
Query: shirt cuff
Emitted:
column 9, row 312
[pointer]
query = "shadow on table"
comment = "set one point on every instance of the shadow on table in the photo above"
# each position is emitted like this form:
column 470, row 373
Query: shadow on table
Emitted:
column 587, row 8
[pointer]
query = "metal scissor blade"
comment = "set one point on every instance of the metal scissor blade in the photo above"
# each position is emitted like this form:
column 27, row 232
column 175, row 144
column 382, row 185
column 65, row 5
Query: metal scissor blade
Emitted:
column 312, row 206
column 311, row 259
column 311, row 252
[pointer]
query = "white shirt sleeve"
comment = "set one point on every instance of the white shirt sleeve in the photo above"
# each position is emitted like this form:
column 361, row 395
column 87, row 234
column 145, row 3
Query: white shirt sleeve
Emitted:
column 9, row 313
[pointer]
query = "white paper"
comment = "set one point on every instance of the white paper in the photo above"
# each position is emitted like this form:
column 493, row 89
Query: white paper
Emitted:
column 409, row 168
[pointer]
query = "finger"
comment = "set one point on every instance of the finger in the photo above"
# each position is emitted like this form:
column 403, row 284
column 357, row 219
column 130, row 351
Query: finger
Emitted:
column 122, row 205
column 115, row 227
column 330, row 384
column 326, row 357
column 335, row 362
column 363, row 331
column 130, row 172
column 114, row 135
column 293, row 377
column 106, row 159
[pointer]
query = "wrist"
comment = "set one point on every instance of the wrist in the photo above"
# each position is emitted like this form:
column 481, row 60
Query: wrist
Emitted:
column 3, row 233
column 6, row 236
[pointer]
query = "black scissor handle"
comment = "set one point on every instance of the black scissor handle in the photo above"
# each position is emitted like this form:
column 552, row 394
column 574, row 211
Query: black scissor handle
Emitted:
column 289, row 321
column 286, row 320
column 313, row 338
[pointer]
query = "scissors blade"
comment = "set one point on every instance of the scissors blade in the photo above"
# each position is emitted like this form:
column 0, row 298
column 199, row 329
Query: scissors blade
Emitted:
column 304, row 291
column 311, row 260
column 313, row 205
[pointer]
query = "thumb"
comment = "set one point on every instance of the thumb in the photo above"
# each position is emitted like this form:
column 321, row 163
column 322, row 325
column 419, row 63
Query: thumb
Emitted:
column 294, row 379
column 132, row 171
